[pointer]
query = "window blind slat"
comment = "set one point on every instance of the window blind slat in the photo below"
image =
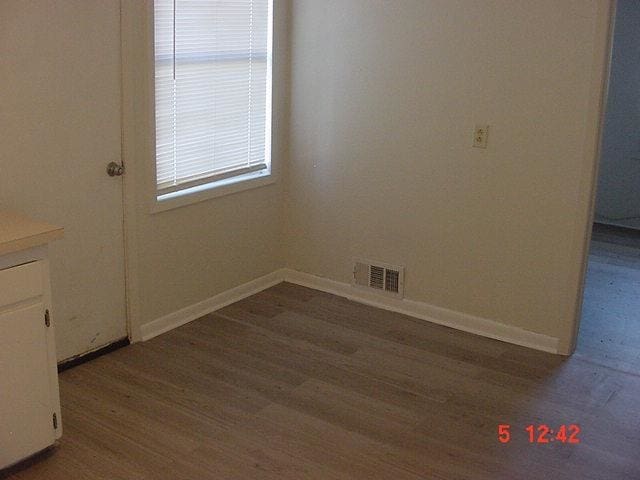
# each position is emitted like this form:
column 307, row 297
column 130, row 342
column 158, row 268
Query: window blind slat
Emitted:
column 212, row 64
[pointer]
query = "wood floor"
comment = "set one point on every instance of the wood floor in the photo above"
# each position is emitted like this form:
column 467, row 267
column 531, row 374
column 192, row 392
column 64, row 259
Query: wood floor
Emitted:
column 297, row 384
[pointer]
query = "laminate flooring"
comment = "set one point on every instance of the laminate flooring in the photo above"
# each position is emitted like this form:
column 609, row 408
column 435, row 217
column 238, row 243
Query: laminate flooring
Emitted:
column 293, row 383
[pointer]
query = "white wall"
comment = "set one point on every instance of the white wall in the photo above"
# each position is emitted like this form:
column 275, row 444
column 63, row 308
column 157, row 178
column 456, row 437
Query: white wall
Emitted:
column 619, row 179
column 385, row 96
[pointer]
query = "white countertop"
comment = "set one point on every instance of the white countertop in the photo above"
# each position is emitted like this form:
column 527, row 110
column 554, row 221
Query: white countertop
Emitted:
column 19, row 232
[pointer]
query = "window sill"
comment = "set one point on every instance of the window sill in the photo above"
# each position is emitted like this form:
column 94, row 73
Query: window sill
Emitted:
column 208, row 191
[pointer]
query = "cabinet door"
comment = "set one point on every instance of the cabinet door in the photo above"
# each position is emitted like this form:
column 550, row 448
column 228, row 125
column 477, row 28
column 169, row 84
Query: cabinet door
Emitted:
column 26, row 423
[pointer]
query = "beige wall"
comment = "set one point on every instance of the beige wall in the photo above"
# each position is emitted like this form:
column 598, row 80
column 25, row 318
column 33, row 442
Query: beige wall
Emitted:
column 190, row 254
column 385, row 96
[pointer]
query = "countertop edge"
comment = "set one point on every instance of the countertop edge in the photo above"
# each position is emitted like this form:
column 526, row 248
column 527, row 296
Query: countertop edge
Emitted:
column 31, row 241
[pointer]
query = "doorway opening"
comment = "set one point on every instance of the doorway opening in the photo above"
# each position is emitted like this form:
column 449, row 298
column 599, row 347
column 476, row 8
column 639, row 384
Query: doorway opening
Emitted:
column 610, row 326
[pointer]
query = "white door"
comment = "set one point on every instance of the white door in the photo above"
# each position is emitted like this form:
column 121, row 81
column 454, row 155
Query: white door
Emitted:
column 59, row 128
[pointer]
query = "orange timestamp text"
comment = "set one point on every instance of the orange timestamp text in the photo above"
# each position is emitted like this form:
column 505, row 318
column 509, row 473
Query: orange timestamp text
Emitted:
column 543, row 434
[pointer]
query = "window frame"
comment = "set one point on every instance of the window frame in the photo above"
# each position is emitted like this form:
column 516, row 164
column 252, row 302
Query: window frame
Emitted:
column 219, row 187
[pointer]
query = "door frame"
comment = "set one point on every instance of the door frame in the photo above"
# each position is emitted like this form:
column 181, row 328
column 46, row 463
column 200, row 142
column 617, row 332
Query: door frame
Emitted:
column 130, row 145
column 601, row 93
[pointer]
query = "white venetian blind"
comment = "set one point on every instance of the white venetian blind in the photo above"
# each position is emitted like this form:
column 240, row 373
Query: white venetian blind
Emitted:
column 212, row 69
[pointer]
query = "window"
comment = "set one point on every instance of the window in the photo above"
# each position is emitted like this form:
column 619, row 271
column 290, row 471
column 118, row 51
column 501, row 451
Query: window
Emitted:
column 212, row 92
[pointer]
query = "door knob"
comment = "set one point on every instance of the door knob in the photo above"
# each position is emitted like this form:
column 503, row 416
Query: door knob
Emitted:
column 115, row 169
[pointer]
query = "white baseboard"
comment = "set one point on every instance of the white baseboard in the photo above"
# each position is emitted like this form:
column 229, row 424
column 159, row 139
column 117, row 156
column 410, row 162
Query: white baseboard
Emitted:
column 193, row 312
column 424, row 311
column 420, row 310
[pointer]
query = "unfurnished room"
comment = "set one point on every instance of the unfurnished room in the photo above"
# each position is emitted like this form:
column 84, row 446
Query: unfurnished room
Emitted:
column 319, row 239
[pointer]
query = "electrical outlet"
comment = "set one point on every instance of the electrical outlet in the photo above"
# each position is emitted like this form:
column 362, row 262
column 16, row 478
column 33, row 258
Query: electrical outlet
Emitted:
column 481, row 136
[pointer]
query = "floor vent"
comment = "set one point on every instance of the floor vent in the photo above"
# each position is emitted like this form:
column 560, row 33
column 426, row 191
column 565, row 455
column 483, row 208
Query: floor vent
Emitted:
column 379, row 276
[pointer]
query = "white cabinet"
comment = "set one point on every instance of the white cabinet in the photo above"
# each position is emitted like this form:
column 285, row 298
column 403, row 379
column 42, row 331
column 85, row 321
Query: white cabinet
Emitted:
column 30, row 419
